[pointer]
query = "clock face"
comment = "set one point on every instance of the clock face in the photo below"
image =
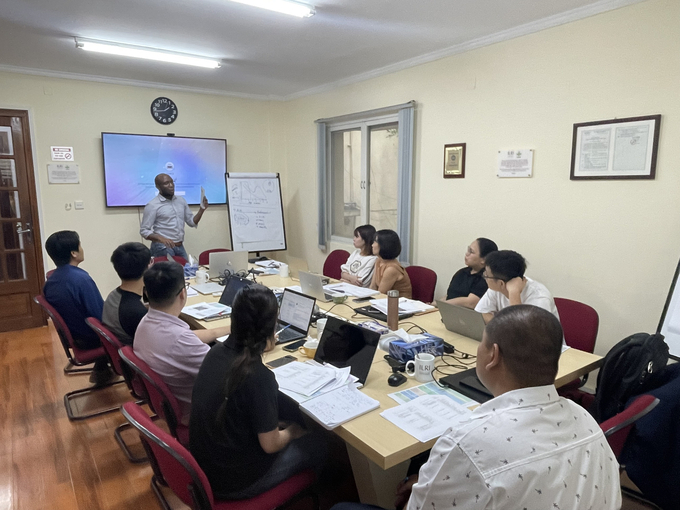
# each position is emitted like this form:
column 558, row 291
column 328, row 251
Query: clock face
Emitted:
column 164, row 110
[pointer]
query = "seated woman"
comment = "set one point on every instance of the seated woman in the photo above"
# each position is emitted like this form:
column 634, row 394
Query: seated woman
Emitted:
column 468, row 284
column 389, row 273
column 236, row 432
column 358, row 270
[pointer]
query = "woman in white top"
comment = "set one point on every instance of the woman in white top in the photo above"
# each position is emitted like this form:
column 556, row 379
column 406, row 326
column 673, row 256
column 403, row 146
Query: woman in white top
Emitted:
column 358, row 270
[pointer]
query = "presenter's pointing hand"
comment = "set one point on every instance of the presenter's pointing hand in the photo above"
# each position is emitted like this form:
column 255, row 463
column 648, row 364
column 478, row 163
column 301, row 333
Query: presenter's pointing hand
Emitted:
column 204, row 203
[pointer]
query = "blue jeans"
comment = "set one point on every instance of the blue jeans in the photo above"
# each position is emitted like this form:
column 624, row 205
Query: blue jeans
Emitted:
column 160, row 250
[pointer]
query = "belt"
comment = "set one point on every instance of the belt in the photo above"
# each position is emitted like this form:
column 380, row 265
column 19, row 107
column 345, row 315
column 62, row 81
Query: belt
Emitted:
column 178, row 244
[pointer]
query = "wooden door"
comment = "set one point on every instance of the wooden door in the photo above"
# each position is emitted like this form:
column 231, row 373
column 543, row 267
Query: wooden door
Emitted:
column 21, row 262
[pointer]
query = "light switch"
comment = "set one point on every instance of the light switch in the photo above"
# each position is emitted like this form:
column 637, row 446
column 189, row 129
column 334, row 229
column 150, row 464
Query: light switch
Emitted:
column 79, row 204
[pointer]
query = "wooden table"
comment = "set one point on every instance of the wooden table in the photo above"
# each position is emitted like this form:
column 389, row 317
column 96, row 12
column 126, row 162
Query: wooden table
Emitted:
column 379, row 450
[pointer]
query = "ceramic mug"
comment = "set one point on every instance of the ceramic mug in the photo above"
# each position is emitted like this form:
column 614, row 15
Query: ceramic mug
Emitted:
column 201, row 277
column 309, row 348
column 283, row 271
column 421, row 367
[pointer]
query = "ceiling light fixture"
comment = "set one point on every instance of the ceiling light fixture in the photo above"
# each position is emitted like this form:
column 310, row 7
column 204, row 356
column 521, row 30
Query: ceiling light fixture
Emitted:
column 285, row 6
column 146, row 53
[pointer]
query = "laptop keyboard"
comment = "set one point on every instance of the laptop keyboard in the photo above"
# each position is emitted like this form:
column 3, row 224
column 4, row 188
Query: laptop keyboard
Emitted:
column 288, row 334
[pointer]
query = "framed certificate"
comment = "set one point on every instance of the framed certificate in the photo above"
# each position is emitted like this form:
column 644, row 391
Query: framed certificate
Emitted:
column 454, row 160
column 615, row 149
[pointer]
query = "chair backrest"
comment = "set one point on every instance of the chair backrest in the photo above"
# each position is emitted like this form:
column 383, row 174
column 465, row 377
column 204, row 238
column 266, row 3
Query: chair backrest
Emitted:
column 617, row 428
column 49, row 273
column 331, row 267
column 204, row 257
column 178, row 467
column 580, row 323
column 62, row 329
column 423, row 283
column 180, row 260
column 112, row 346
column 161, row 399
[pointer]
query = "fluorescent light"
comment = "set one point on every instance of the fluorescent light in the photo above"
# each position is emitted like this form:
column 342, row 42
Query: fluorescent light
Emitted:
column 285, row 6
column 146, row 53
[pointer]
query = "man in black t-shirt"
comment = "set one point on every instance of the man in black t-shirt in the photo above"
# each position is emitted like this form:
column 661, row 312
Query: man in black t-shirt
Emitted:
column 123, row 308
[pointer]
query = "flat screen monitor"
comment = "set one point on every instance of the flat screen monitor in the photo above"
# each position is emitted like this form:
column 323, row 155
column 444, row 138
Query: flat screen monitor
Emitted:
column 131, row 163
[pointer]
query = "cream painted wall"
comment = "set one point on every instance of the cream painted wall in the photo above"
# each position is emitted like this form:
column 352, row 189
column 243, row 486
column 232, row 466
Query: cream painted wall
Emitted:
column 613, row 245
column 74, row 113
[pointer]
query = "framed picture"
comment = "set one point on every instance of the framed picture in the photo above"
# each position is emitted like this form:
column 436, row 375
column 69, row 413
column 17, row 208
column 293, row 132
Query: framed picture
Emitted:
column 6, row 145
column 454, row 160
column 615, row 149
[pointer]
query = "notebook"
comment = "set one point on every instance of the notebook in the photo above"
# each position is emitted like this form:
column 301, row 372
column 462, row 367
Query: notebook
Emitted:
column 339, row 406
column 295, row 315
column 347, row 345
column 461, row 320
column 312, row 285
column 232, row 261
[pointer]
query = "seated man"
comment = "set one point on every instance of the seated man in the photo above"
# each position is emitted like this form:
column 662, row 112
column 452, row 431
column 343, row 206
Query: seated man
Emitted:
column 164, row 341
column 504, row 274
column 75, row 296
column 527, row 447
column 123, row 308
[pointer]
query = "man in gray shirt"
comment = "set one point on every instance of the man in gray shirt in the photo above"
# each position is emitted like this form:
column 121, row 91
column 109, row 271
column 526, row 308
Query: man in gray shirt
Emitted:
column 164, row 219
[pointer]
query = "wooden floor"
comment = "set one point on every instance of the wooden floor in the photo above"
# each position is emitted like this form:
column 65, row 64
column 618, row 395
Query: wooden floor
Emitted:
column 49, row 462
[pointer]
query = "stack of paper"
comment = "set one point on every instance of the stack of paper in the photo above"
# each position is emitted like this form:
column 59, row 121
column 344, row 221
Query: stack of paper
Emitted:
column 405, row 305
column 204, row 311
column 303, row 381
column 339, row 406
column 349, row 289
column 426, row 417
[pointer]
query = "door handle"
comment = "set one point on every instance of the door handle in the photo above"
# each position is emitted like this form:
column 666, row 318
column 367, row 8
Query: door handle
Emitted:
column 21, row 231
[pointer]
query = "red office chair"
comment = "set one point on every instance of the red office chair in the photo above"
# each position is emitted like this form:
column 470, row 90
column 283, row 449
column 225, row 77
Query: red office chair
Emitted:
column 204, row 257
column 423, row 283
column 617, row 428
column 580, row 323
column 180, row 471
column 77, row 357
column 49, row 273
column 331, row 267
column 180, row 260
column 160, row 398
column 111, row 345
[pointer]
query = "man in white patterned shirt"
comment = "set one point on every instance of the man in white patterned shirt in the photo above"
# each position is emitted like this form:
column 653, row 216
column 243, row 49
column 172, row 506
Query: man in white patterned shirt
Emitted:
column 526, row 448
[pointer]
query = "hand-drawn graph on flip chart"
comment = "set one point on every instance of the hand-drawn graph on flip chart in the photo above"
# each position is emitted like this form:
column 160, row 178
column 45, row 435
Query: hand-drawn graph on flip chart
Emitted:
column 256, row 212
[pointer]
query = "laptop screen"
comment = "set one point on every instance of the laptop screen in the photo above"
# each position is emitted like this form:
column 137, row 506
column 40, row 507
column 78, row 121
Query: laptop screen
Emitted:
column 347, row 345
column 234, row 284
column 296, row 309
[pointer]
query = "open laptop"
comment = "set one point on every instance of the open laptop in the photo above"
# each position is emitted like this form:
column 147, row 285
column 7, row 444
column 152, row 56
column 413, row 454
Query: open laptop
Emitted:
column 344, row 344
column 461, row 320
column 295, row 315
column 234, row 284
column 232, row 261
column 312, row 285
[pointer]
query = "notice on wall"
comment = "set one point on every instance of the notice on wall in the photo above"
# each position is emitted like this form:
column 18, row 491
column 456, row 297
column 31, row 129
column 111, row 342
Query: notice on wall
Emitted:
column 515, row 163
column 63, row 173
column 61, row 153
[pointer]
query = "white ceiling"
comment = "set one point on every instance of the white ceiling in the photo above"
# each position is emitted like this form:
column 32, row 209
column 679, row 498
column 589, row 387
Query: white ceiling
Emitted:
column 265, row 54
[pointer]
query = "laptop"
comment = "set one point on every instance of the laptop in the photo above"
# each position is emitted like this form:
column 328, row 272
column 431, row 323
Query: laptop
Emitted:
column 234, row 284
column 461, row 320
column 467, row 383
column 347, row 345
column 295, row 315
column 312, row 285
column 232, row 261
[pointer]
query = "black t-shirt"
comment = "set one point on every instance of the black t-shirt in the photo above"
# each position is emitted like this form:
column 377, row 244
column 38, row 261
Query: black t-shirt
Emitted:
column 465, row 283
column 123, row 310
column 229, row 452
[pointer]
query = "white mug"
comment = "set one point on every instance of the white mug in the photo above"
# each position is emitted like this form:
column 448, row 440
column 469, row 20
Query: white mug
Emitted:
column 283, row 270
column 421, row 367
column 320, row 324
column 201, row 277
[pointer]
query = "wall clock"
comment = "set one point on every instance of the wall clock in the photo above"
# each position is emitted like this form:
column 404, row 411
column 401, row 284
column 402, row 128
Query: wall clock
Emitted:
column 164, row 110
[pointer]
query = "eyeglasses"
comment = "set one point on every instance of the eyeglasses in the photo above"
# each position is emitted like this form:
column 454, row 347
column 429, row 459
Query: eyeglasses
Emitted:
column 185, row 286
column 487, row 277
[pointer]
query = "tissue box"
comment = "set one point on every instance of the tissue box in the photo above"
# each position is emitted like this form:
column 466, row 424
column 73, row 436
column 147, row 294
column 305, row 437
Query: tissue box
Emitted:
column 406, row 351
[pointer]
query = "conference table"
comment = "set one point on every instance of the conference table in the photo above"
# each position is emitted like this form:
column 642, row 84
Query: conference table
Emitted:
column 379, row 451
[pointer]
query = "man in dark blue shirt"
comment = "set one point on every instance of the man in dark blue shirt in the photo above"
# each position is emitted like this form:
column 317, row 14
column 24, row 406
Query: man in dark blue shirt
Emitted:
column 73, row 293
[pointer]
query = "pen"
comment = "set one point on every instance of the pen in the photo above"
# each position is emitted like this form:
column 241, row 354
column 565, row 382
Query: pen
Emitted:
column 279, row 331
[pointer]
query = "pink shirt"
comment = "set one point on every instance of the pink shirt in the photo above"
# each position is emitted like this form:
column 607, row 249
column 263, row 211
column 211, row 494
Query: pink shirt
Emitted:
column 173, row 351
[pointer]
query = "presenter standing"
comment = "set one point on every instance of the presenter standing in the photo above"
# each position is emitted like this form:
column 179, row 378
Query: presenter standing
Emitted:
column 164, row 219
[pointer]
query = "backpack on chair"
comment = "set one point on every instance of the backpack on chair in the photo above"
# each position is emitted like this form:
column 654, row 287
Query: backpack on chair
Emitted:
column 628, row 369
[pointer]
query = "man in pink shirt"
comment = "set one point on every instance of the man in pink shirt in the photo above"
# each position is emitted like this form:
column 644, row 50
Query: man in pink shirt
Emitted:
column 164, row 341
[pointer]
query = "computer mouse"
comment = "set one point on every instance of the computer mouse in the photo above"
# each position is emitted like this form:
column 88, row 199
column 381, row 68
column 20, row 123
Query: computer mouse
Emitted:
column 396, row 379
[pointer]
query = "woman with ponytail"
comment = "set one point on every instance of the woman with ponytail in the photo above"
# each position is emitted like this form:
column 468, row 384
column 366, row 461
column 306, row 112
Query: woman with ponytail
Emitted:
column 236, row 430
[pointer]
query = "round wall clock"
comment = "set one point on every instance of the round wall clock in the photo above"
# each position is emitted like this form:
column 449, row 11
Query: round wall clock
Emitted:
column 164, row 110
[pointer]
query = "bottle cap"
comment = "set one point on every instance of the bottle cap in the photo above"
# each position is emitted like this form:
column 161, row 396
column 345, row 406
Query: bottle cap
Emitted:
column 392, row 293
